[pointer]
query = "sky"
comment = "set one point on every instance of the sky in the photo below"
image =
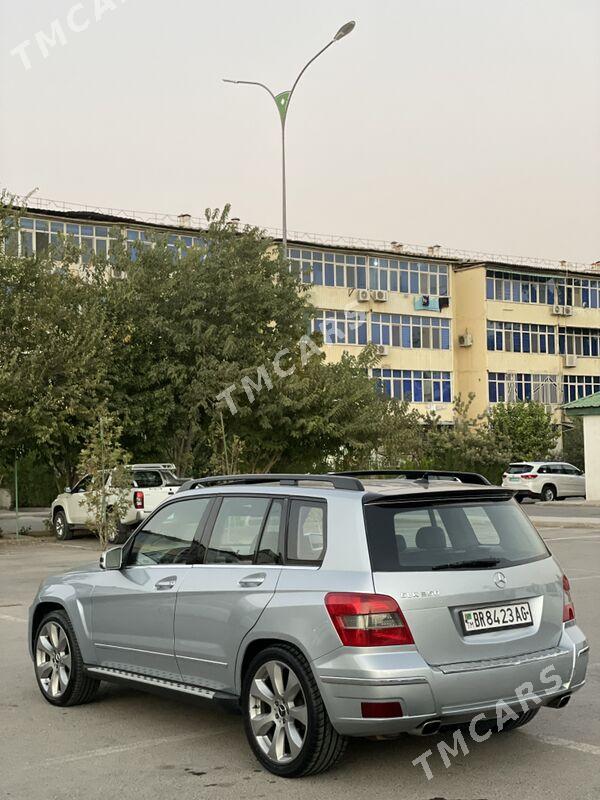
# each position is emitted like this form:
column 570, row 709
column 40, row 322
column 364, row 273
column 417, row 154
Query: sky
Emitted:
column 473, row 124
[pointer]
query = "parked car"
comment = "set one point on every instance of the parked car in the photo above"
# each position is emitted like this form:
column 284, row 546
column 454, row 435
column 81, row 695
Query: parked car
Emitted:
column 325, row 606
column 150, row 485
column 544, row 480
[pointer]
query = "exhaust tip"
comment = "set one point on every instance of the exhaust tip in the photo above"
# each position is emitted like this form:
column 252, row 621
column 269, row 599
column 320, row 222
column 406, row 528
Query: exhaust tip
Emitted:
column 560, row 702
column 431, row 728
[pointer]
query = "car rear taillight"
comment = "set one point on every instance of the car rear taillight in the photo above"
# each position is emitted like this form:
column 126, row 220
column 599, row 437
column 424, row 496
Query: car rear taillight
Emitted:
column 138, row 499
column 528, row 477
column 568, row 607
column 367, row 620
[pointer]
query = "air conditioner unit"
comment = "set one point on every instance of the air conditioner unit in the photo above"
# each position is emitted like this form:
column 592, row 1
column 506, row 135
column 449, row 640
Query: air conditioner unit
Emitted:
column 570, row 360
column 381, row 349
column 379, row 295
column 465, row 340
column 363, row 295
column 558, row 311
column 568, row 311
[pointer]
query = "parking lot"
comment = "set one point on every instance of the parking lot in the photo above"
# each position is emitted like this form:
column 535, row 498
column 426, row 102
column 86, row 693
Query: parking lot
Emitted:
column 133, row 745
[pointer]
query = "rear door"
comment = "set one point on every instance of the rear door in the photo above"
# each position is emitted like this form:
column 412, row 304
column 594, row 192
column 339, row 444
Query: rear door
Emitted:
column 576, row 483
column 417, row 555
column 222, row 598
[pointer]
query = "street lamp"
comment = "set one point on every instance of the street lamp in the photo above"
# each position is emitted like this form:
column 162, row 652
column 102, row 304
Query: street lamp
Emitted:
column 282, row 101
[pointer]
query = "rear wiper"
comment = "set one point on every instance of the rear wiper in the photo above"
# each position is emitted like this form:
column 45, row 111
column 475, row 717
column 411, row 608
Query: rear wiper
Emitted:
column 474, row 563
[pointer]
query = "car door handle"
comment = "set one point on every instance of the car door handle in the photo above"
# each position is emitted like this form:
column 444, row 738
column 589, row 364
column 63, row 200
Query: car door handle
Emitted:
column 253, row 580
column 166, row 583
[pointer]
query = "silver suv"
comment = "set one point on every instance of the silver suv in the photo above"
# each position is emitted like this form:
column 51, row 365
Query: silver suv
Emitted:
column 325, row 606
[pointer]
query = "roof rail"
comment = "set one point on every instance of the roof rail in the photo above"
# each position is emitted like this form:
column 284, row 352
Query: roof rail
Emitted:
column 285, row 479
column 419, row 474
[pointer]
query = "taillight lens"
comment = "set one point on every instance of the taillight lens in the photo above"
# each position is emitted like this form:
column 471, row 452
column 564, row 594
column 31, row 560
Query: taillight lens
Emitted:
column 138, row 499
column 568, row 607
column 367, row 620
column 528, row 477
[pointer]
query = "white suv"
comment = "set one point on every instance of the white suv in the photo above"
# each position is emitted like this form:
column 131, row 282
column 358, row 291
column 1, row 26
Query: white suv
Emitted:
column 151, row 484
column 544, row 480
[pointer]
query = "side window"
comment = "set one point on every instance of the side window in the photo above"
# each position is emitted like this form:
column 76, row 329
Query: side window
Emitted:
column 306, row 531
column 83, row 485
column 234, row 537
column 147, row 479
column 167, row 538
column 543, row 471
column 569, row 470
column 268, row 550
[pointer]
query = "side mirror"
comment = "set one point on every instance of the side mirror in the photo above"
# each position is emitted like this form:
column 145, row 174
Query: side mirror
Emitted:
column 67, row 490
column 112, row 558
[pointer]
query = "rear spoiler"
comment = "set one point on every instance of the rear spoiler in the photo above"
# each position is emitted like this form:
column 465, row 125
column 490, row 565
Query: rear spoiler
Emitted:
column 436, row 496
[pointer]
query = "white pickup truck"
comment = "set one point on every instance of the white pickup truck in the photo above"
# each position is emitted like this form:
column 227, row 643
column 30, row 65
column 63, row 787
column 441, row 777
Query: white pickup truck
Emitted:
column 150, row 485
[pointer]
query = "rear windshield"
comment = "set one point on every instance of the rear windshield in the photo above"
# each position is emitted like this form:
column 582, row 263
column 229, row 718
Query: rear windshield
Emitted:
column 487, row 535
column 519, row 469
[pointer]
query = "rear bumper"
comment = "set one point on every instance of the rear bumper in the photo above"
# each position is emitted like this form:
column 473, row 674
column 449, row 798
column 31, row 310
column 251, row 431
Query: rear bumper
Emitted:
column 450, row 693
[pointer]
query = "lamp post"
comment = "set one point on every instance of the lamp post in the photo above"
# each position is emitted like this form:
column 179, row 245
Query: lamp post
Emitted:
column 282, row 101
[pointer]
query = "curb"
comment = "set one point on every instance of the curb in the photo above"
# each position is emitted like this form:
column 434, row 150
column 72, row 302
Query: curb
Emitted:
column 563, row 522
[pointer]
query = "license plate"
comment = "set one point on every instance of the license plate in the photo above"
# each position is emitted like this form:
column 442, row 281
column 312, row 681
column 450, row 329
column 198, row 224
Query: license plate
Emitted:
column 515, row 480
column 493, row 618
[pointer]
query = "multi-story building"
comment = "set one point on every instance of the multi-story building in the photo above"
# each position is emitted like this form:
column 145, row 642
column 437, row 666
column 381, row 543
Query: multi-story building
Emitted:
column 444, row 322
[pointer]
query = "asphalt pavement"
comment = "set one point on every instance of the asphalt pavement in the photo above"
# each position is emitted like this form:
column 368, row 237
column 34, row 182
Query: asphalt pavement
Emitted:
column 132, row 745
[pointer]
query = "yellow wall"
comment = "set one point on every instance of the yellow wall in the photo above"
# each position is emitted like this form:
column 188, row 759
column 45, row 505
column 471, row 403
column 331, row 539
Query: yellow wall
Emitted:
column 470, row 363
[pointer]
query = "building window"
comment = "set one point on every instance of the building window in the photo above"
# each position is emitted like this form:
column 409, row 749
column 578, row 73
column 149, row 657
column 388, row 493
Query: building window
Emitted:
column 414, row 386
column 579, row 341
column 578, row 386
column 341, row 327
column 402, row 330
column 511, row 387
column 324, row 268
column 521, row 337
column 511, row 287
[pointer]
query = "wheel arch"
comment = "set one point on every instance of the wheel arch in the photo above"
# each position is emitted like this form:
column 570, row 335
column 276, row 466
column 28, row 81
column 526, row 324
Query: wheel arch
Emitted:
column 550, row 484
column 40, row 611
column 251, row 648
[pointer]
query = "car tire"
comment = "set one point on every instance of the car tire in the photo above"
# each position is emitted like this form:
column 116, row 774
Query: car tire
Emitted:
column 62, row 529
column 285, row 719
column 548, row 493
column 119, row 534
column 59, row 668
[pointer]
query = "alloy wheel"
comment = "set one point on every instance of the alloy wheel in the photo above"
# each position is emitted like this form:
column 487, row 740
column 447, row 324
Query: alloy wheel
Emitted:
column 53, row 659
column 59, row 526
column 278, row 712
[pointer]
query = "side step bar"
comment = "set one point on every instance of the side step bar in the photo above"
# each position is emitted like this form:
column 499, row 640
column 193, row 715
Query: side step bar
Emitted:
column 118, row 675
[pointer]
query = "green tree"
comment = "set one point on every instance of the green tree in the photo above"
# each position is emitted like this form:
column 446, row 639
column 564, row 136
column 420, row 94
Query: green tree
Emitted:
column 527, row 428
column 573, row 448
column 214, row 319
column 402, row 438
column 104, row 458
column 55, row 344
column 469, row 443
